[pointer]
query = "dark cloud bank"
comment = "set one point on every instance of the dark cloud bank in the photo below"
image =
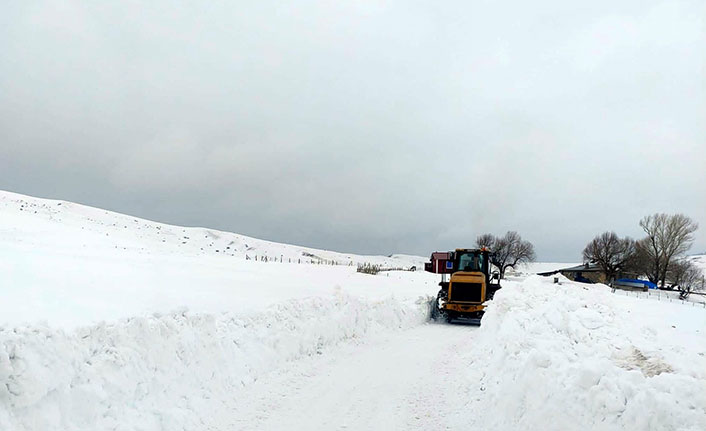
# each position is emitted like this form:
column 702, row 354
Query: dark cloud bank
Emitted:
column 371, row 127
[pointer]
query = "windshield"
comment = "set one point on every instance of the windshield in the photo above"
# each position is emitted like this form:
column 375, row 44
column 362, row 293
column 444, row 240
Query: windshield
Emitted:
column 470, row 262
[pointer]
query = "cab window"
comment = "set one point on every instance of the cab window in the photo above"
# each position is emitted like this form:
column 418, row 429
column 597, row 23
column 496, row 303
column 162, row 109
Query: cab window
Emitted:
column 470, row 262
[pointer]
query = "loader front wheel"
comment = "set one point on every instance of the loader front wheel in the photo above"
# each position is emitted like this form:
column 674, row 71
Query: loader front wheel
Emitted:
column 450, row 316
column 437, row 312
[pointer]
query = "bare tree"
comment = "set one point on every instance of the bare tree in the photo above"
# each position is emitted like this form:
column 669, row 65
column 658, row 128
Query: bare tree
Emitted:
column 647, row 260
column 685, row 274
column 521, row 251
column 611, row 253
column 485, row 240
column 508, row 251
column 668, row 236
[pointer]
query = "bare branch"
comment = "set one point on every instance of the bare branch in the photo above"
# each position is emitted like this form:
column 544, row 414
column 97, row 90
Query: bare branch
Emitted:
column 509, row 250
column 610, row 252
column 668, row 236
column 486, row 240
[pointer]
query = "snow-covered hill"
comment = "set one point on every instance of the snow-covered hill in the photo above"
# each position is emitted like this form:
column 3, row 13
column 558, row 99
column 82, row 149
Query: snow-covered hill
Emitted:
column 70, row 265
column 699, row 260
column 113, row 322
column 78, row 228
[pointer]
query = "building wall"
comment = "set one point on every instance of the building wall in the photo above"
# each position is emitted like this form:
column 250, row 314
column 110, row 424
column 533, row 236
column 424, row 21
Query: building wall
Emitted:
column 594, row 276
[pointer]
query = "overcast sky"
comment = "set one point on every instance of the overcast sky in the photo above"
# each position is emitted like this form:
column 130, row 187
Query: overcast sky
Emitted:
column 363, row 126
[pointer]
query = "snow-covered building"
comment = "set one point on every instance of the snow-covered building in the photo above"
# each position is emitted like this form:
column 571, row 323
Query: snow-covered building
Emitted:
column 586, row 272
column 592, row 273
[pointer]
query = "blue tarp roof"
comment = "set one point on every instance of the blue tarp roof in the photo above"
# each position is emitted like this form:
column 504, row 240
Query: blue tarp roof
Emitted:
column 645, row 283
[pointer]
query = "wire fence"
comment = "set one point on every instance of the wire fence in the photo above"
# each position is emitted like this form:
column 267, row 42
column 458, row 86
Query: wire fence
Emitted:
column 364, row 267
column 664, row 296
column 299, row 261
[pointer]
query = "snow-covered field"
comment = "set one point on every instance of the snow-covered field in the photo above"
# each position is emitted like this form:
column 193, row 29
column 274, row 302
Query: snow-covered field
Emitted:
column 112, row 322
column 70, row 265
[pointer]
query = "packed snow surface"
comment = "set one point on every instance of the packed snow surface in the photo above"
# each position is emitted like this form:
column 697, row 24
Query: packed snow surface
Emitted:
column 173, row 371
column 116, row 323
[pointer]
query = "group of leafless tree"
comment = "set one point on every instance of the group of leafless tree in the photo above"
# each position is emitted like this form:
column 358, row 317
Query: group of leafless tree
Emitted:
column 507, row 251
column 659, row 256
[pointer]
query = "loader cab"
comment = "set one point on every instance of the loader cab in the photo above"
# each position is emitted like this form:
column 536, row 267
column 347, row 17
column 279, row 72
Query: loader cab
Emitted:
column 471, row 260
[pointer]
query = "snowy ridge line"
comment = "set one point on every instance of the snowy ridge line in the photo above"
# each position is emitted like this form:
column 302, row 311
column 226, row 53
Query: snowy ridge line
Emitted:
column 171, row 371
column 75, row 228
column 589, row 360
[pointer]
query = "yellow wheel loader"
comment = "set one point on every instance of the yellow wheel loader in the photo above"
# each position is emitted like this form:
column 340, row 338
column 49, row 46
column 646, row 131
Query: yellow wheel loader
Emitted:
column 470, row 284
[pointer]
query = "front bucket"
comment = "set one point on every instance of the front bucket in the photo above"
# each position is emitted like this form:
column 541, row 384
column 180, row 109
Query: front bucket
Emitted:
column 467, row 320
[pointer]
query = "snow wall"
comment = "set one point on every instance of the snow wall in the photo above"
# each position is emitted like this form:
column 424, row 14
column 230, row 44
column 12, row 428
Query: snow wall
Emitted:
column 170, row 371
column 573, row 357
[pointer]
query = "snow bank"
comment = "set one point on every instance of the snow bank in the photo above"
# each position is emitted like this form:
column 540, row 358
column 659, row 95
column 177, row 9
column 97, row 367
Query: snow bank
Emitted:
column 576, row 357
column 171, row 371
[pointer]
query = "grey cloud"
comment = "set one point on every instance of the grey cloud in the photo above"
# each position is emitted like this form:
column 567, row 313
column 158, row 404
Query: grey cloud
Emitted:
column 371, row 127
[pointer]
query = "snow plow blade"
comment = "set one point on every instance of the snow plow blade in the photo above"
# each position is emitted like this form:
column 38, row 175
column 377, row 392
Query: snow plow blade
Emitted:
column 467, row 320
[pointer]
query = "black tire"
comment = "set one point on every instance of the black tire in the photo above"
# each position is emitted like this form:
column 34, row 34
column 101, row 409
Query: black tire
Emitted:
column 438, row 313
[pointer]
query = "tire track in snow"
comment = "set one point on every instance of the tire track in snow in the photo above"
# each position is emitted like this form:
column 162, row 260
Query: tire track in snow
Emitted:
column 396, row 381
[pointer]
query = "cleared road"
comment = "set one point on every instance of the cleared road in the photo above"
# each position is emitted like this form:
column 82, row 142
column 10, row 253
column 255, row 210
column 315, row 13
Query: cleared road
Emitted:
column 399, row 381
